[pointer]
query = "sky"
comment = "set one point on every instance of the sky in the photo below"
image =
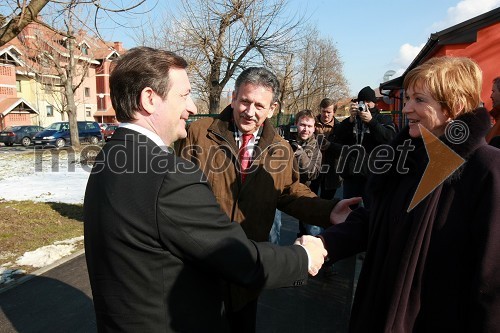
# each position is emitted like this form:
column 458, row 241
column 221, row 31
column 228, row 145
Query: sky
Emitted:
column 372, row 37
column 67, row 185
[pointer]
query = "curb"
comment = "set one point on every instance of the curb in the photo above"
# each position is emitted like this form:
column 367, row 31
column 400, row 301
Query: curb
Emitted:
column 40, row 271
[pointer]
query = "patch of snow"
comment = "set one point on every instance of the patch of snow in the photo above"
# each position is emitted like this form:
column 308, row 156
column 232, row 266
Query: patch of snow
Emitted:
column 49, row 254
column 46, row 177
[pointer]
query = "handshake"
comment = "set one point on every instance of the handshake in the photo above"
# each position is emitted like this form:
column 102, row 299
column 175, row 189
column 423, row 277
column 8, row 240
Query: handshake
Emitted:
column 315, row 251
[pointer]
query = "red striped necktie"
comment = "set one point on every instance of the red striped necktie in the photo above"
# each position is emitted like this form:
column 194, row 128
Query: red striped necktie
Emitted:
column 244, row 155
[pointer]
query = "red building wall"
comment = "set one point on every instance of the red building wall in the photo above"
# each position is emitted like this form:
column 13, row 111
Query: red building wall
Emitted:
column 486, row 52
column 7, row 81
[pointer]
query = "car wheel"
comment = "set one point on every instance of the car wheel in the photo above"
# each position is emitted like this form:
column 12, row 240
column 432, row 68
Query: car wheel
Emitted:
column 94, row 140
column 26, row 141
column 60, row 143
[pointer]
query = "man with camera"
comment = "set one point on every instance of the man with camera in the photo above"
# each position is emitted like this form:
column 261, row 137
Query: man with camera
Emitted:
column 365, row 127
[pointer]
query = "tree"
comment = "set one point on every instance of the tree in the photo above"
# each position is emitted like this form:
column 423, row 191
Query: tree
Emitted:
column 219, row 38
column 310, row 71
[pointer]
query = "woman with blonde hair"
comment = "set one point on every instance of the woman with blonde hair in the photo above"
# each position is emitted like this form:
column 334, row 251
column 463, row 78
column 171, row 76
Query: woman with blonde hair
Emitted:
column 431, row 265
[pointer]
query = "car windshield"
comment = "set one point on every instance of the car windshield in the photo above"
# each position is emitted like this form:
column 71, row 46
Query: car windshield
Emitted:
column 58, row 126
column 12, row 129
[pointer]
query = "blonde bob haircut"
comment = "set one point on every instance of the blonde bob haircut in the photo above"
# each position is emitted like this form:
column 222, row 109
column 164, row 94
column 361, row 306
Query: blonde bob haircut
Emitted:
column 455, row 82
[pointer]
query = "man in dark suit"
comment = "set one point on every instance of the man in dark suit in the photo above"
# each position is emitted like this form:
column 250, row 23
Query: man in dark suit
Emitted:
column 159, row 249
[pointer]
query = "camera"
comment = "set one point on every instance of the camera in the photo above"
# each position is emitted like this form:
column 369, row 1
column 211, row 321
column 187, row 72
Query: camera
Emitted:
column 294, row 144
column 361, row 106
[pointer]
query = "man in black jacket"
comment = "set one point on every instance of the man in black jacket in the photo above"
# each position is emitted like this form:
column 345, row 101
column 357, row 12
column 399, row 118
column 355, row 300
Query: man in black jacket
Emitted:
column 365, row 129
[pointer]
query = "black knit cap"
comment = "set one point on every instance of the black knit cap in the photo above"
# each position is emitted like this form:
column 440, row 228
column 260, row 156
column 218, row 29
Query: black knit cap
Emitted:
column 367, row 94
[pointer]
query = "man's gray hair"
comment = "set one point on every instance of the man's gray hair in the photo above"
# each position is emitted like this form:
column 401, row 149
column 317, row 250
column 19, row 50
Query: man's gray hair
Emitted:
column 259, row 76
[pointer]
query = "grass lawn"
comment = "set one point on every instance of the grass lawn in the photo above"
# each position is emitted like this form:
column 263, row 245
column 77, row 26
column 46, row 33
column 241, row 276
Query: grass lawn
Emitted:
column 27, row 225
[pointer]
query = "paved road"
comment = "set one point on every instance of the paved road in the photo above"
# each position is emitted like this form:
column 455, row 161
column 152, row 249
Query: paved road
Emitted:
column 57, row 301
column 60, row 300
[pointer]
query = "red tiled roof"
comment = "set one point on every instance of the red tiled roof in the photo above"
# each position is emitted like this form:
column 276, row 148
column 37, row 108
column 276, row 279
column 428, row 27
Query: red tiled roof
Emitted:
column 8, row 105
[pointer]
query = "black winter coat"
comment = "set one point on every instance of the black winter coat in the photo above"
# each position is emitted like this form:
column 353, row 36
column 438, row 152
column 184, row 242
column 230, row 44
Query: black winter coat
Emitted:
column 435, row 268
column 379, row 131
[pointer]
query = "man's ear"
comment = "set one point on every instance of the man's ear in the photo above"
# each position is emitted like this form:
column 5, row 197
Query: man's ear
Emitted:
column 233, row 98
column 147, row 100
column 271, row 109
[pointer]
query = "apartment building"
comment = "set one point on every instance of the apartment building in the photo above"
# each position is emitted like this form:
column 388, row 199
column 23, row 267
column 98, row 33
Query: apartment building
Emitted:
column 32, row 71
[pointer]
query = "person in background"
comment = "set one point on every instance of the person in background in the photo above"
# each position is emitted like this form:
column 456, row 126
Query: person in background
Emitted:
column 306, row 149
column 494, row 132
column 252, row 172
column 328, row 182
column 158, row 247
column 433, row 266
column 365, row 129
column 306, row 152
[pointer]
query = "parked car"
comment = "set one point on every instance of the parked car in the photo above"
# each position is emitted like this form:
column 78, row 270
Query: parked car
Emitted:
column 58, row 135
column 108, row 132
column 103, row 126
column 19, row 134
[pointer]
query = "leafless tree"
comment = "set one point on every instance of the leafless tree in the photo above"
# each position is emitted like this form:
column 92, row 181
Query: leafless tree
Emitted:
column 311, row 71
column 220, row 38
column 320, row 72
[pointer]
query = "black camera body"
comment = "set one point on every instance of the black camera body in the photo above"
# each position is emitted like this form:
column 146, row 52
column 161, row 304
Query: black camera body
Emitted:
column 294, row 144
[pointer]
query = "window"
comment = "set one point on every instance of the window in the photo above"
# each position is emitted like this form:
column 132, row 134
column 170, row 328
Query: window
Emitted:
column 87, row 92
column 48, row 88
column 84, row 48
column 50, row 110
column 18, row 85
column 87, row 111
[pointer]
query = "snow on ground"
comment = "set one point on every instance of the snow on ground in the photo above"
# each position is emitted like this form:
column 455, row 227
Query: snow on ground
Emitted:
column 42, row 176
column 37, row 177
column 49, row 254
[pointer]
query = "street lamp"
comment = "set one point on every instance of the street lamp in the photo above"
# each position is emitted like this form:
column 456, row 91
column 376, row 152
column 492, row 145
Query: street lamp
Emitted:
column 101, row 96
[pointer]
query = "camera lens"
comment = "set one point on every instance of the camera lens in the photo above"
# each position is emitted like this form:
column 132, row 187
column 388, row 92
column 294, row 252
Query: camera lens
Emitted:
column 361, row 106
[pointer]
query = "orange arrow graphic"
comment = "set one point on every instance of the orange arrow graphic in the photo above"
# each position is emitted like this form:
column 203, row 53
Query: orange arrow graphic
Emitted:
column 443, row 162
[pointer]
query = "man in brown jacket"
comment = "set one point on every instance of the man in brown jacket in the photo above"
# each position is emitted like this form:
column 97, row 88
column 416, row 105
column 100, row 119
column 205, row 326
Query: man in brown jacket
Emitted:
column 272, row 180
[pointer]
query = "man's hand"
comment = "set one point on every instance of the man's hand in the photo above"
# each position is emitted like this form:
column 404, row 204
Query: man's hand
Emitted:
column 353, row 110
column 315, row 251
column 341, row 210
column 298, row 151
column 365, row 116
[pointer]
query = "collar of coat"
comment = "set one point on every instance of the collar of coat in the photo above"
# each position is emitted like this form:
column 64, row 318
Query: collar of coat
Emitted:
column 223, row 129
column 495, row 113
column 322, row 124
column 311, row 142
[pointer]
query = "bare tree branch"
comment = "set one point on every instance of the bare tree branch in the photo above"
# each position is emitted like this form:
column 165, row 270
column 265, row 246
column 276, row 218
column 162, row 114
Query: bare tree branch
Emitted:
column 27, row 15
column 220, row 38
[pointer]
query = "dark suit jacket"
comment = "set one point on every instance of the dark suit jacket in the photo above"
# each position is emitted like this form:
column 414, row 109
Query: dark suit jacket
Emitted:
column 159, row 249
